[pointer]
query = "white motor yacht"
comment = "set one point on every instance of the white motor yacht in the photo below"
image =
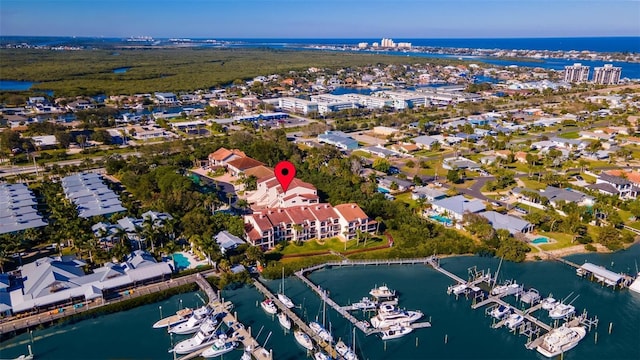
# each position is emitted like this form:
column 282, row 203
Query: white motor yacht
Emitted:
column 203, row 338
column 506, row 289
column 549, row 303
column 284, row 320
column 500, row 311
column 395, row 331
column 389, row 315
column 219, row 347
column 269, row 306
column 382, row 292
column 561, row 340
column 346, row 352
column 321, row 331
column 513, row 321
column 561, row 311
column 193, row 323
column 173, row 320
column 303, row 339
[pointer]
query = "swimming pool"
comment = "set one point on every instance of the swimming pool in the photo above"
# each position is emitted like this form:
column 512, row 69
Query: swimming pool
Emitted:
column 181, row 261
column 441, row 219
column 540, row 240
column 383, row 190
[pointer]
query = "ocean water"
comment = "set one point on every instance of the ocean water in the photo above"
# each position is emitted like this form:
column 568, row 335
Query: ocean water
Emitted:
column 128, row 335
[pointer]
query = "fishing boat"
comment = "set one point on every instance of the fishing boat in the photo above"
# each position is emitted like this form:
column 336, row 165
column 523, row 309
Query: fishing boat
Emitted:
column 513, row 321
column 364, row 304
column 457, row 289
column 506, row 289
column 561, row 340
column 284, row 320
column 173, row 320
column 395, row 331
column 549, row 303
column 284, row 299
column 193, row 323
column 303, row 339
column 219, row 347
column 269, row 306
column 560, row 311
column 500, row 311
column 382, row 292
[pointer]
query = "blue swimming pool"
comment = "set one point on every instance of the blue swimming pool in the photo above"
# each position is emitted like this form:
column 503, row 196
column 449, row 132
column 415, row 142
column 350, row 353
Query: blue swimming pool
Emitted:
column 441, row 219
column 383, row 190
column 181, row 261
column 540, row 240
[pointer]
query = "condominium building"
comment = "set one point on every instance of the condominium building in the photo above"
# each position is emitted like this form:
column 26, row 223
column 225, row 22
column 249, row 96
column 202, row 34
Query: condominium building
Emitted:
column 607, row 74
column 270, row 194
column 319, row 221
column 576, row 73
column 297, row 105
column 387, row 43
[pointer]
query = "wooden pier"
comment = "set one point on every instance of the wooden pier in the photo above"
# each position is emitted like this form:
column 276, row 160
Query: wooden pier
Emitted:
column 239, row 332
column 326, row 347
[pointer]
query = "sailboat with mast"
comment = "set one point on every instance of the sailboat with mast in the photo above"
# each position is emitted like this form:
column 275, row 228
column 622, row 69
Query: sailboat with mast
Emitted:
column 320, row 330
column 346, row 352
column 284, row 299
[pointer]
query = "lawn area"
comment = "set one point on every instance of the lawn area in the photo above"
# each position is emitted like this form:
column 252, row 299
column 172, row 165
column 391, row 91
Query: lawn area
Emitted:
column 562, row 240
column 570, row 135
column 406, row 198
column 335, row 244
column 362, row 154
column 533, row 184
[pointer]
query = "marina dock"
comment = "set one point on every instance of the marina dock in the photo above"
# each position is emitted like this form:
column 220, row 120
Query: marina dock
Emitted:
column 326, row 347
column 344, row 310
column 597, row 273
column 240, row 333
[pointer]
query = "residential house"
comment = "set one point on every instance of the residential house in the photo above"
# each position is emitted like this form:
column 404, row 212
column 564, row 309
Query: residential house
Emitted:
column 166, row 98
column 507, row 222
column 622, row 187
column 459, row 163
column 381, row 151
column 424, row 142
column 339, row 140
column 405, row 148
column 388, row 181
column 428, row 193
column 238, row 166
column 227, row 241
column 455, row 207
column 222, row 156
column 556, row 195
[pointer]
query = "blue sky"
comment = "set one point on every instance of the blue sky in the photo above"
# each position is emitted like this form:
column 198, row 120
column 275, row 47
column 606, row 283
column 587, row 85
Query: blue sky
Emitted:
column 321, row 18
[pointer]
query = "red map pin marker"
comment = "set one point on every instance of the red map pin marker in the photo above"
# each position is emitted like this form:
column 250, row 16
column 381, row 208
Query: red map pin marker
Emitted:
column 285, row 172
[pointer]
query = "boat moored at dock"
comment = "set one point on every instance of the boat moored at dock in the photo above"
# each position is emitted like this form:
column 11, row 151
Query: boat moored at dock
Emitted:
column 180, row 317
column 382, row 293
column 560, row 340
column 561, row 311
column 219, row 348
column 269, row 307
column 513, row 320
column 549, row 303
column 500, row 311
column 303, row 339
column 284, row 320
column 389, row 315
column 194, row 322
column 395, row 331
column 206, row 336
column 321, row 331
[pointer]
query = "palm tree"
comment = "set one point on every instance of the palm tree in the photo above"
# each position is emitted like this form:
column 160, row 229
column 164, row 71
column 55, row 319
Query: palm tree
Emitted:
column 378, row 221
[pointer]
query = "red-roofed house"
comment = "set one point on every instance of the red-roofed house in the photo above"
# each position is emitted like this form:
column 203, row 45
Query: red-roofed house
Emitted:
column 238, row 166
column 269, row 194
column 222, row 156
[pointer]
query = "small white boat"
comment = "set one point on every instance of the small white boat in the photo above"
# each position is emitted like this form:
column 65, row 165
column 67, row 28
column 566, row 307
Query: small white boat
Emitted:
column 303, row 339
column 395, row 331
column 284, row 299
column 513, row 321
column 173, row 320
column 193, row 323
column 284, row 320
column 389, row 315
column 219, row 347
column 549, row 303
column 500, row 311
column 561, row 311
column 457, row 289
column 346, row 352
column 269, row 306
column 364, row 304
column 561, row 340
column 382, row 292
column 205, row 337
column 321, row 356
column 321, row 331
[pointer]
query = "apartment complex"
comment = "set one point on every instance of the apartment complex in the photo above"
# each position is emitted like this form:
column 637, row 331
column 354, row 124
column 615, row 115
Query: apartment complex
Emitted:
column 267, row 227
column 576, row 73
column 269, row 194
column 607, row 74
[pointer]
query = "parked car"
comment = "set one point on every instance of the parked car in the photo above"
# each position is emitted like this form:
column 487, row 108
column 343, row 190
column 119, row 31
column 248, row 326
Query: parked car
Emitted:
column 521, row 210
column 579, row 178
column 496, row 204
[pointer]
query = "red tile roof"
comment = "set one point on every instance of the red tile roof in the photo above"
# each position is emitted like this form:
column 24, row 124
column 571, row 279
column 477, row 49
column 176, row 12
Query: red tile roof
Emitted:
column 244, row 163
column 351, row 212
column 223, row 153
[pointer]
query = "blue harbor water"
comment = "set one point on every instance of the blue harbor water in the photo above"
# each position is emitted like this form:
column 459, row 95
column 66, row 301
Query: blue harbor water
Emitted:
column 468, row 332
column 121, row 70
